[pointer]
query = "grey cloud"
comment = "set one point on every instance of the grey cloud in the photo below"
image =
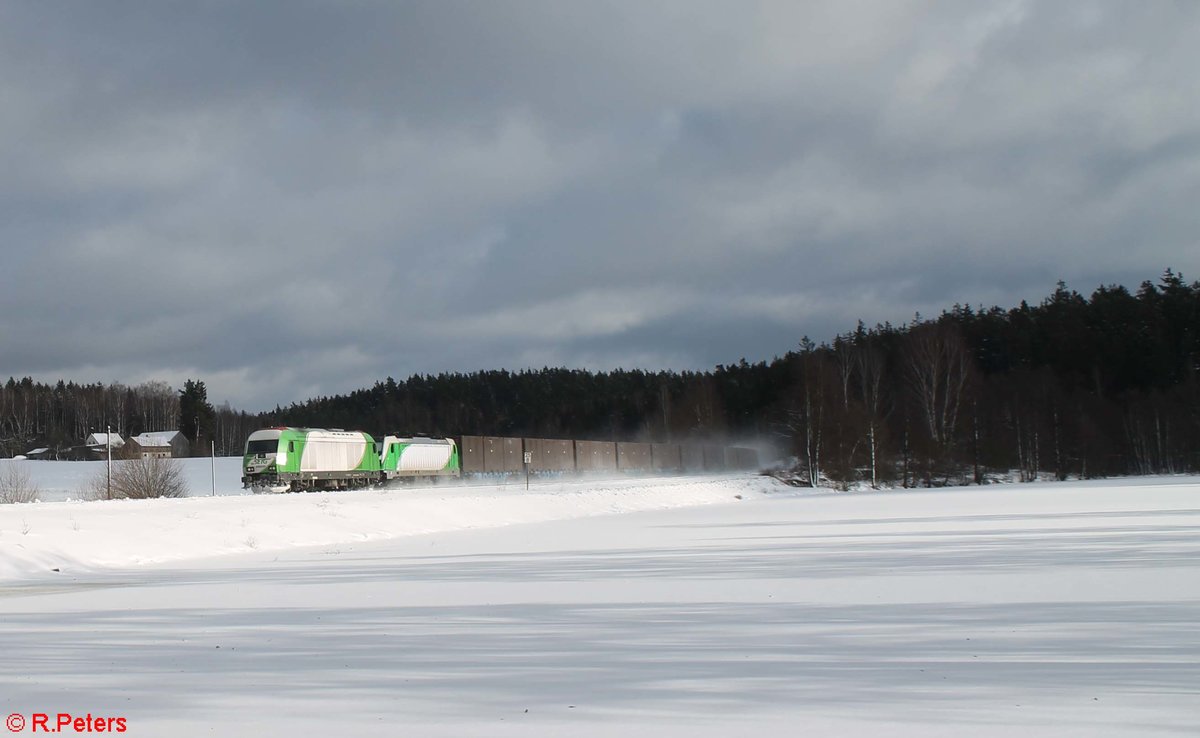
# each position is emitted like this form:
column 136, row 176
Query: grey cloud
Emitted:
column 295, row 198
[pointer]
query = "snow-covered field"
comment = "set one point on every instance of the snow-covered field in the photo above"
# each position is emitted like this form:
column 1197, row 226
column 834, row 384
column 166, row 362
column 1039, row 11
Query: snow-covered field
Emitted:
column 73, row 536
column 706, row 607
column 68, row 480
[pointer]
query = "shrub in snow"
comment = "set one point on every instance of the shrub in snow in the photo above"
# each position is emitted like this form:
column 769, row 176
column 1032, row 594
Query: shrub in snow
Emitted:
column 140, row 479
column 15, row 485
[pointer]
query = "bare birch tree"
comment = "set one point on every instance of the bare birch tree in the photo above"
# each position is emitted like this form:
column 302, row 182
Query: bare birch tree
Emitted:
column 938, row 368
column 870, row 363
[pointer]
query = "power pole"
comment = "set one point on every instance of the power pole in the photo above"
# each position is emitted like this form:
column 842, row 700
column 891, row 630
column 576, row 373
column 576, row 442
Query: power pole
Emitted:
column 108, row 452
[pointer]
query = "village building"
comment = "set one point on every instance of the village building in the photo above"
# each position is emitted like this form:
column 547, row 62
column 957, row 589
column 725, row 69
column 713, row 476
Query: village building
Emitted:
column 103, row 439
column 98, row 445
column 160, row 444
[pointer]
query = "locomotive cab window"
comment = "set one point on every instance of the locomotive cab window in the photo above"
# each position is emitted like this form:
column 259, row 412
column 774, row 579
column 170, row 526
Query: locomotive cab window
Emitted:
column 262, row 448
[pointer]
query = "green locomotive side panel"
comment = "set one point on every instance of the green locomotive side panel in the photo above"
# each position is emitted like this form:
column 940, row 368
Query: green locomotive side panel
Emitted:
column 415, row 457
column 291, row 449
column 391, row 456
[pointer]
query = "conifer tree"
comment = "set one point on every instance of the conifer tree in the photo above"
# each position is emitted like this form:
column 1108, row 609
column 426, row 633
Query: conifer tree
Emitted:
column 196, row 415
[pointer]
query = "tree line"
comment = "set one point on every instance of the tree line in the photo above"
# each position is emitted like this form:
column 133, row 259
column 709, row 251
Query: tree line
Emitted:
column 59, row 417
column 1072, row 386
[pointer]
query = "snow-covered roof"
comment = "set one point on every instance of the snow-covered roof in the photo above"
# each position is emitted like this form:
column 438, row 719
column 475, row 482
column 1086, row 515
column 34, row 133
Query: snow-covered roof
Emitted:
column 102, row 439
column 36, row 451
column 156, row 438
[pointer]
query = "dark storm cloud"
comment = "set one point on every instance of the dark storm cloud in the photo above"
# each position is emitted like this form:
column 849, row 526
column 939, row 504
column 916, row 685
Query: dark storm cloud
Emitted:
column 293, row 198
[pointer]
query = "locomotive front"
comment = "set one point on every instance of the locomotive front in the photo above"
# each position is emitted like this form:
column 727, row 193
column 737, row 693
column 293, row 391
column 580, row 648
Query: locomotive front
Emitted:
column 266, row 454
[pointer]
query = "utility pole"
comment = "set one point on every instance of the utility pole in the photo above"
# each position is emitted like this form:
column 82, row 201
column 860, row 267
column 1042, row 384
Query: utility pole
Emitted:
column 214, row 468
column 108, row 452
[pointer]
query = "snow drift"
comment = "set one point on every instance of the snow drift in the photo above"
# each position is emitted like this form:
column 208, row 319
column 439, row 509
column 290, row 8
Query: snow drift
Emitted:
column 71, row 534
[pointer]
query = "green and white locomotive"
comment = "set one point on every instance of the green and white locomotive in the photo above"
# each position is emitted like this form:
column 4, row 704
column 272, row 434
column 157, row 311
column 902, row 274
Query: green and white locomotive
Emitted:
column 296, row 459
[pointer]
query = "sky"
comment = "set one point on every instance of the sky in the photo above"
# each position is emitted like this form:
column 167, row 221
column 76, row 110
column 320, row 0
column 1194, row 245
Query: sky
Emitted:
column 287, row 199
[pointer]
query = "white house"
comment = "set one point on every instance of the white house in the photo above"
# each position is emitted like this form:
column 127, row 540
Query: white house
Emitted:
column 103, row 439
column 97, row 445
column 158, row 444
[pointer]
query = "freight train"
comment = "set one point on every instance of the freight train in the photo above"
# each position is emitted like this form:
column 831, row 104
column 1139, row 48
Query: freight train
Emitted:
column 299, row 459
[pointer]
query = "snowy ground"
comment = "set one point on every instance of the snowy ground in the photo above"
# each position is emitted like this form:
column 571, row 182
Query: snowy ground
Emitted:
column 74, row 536
column 1039, row 610
column 68, row 480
